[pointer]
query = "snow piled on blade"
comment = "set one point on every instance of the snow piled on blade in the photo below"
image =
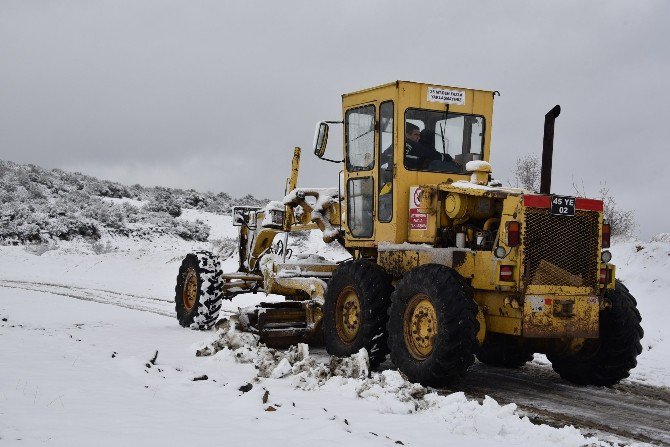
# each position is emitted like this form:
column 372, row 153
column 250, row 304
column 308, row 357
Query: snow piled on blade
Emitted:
column 388, row 390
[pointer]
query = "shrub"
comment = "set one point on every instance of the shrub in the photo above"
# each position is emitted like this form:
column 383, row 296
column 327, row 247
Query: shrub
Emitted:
column 163, row 201
column 527, row 172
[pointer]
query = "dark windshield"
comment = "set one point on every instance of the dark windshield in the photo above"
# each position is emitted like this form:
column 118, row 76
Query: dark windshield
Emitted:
column 436, row 144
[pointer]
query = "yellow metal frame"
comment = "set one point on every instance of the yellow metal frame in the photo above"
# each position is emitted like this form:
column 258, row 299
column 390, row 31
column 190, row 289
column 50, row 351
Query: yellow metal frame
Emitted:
column 404, row 95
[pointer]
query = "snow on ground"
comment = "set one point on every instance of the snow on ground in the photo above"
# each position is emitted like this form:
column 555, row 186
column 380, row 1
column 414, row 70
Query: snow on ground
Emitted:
column 78, row 372
column 119, row 264
column 644, row 267
column 221, row 226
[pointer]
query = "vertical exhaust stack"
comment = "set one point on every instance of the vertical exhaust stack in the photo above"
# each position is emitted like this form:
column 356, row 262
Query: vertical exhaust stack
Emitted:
column 548, row 149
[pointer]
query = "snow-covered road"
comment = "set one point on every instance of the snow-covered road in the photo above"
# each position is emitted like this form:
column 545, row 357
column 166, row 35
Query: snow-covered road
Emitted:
column 629, row 411
column 78, row 372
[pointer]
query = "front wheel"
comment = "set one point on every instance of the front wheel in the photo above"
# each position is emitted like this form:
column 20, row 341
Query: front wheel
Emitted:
column 198, row 292
column 355, row 310
column 608, row 359
column 433, row 325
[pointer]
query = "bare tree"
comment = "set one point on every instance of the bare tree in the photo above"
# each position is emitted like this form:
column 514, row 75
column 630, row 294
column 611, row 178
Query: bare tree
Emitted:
column 527, row 172
column 622, row 222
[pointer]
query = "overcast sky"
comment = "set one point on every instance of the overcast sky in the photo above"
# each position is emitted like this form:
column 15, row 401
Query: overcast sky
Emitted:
column 213, row 95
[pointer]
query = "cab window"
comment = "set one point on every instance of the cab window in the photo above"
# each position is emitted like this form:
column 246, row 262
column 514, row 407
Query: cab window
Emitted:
column 360, row 204
column 438, row 143
column 360, row 138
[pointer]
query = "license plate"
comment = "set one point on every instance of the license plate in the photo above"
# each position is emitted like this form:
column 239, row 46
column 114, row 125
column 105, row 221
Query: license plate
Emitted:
column 562, row 206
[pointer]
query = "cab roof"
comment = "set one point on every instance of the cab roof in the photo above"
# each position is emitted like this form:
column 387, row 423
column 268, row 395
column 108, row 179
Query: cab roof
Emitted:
column 397, row 84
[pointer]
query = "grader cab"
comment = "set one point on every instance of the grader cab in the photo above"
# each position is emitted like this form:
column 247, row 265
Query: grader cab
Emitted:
column 446, row 264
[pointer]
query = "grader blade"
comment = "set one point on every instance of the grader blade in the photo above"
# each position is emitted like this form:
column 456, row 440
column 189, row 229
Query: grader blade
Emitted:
column 287, row 323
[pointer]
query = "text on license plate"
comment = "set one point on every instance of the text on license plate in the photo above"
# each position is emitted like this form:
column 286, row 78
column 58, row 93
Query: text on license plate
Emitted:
column 563, row 205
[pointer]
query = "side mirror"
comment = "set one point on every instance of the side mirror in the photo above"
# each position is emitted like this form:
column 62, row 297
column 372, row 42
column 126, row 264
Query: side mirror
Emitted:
column 320, row 139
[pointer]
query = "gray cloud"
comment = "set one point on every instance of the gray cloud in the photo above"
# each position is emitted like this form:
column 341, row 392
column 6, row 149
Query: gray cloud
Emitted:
column 214, row 95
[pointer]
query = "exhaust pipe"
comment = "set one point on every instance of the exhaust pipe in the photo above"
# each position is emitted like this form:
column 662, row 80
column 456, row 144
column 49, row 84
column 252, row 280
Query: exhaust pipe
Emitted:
column 548, row 149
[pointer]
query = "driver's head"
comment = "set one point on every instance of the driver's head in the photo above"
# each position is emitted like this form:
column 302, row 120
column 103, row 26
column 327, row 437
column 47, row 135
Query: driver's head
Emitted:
column 412, row 132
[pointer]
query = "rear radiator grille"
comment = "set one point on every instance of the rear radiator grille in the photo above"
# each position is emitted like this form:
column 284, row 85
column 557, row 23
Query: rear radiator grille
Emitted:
column 560, row 250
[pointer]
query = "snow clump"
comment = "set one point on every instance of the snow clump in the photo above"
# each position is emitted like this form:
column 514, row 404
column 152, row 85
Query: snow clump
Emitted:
column 274, row 363
column 394, row 393
column 389, row 390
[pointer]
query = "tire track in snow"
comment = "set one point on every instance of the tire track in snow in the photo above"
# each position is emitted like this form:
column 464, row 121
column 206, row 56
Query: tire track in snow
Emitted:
column 159, row 306
column 154, row 305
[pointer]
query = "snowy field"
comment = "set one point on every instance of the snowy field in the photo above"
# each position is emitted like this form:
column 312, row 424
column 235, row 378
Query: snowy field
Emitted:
column 92, row 355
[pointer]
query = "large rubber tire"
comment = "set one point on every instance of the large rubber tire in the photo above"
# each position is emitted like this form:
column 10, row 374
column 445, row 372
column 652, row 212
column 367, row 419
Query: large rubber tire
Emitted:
column 371, row 286
column 503, row 351
column 608, row 359
column 203, row 310
column 455, row 339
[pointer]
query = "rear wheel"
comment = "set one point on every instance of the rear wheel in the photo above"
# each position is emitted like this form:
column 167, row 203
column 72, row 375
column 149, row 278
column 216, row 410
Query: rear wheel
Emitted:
column 608, row 359
column 433, row 325
column 198, row 292
column 504, row 351
column 355, row 310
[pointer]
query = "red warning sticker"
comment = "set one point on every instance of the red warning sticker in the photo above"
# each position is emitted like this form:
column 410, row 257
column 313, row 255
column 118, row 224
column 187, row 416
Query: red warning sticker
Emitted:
column 417, row 220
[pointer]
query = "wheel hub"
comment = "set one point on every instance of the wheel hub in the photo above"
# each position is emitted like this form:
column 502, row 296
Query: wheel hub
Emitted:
column 348, row 315
column 190, row 291
column 420, row 326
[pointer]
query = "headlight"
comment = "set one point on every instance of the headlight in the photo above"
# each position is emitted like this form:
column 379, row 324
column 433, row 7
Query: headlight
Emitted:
column 277, row 217
column 500, row 252
column 606, row 257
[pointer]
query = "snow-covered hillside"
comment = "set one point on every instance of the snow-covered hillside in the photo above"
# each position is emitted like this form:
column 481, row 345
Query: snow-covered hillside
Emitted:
column 82, row 322
column 40, row 206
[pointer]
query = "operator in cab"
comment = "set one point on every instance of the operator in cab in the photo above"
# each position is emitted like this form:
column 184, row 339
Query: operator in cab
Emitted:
column 420, row 152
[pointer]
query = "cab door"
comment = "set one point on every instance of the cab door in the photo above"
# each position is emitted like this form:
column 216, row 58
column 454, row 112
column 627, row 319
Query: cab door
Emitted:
column 360, row 137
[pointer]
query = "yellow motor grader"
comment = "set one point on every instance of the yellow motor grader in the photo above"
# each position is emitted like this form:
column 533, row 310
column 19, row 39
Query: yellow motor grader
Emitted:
column 446, row 263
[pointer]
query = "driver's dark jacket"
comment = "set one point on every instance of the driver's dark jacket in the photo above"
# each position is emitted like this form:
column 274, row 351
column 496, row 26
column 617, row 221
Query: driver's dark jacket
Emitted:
column 418, row 155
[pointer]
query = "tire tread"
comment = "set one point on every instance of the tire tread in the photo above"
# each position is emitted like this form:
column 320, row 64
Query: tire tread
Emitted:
column 618, row 346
